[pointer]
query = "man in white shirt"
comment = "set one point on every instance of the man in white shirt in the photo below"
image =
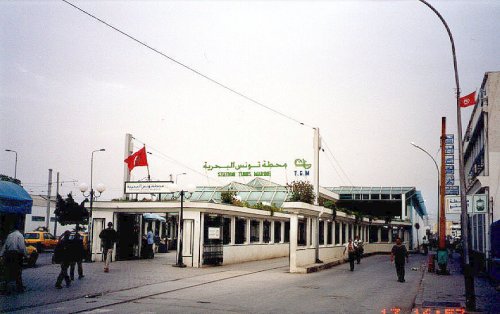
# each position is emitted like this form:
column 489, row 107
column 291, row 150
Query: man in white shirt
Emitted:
column 13, row 252
column 358, row 247
column 351, row 251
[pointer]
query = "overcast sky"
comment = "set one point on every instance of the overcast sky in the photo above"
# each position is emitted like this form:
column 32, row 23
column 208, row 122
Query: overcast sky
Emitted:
column 372, row 75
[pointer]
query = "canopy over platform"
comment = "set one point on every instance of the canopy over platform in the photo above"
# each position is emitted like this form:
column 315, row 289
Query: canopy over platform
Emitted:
column 14, row 199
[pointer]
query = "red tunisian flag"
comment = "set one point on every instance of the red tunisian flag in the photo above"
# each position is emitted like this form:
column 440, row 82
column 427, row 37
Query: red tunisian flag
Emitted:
column 468, row 100
column 137, row 159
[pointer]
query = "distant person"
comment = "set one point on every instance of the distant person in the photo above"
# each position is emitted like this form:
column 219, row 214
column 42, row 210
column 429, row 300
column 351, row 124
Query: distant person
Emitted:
column 425, row 245
column 77, row 252
column 108, row 237
column 62, row 255
column 351, row 253
column 12, row 252
column 358, row 246
column 150, row 242
column 398, row 256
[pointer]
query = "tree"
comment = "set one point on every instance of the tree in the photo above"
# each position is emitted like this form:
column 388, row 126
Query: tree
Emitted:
column 302, row 191
column 69, row 212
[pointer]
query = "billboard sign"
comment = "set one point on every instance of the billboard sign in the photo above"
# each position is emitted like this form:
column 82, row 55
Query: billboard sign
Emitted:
column 147, row 187
column 479, row 204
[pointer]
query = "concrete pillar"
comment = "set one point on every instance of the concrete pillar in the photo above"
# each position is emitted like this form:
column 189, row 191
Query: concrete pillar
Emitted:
column 333, row 233
column 341, row 236
column 247, row 231
column 379, row 234
column 233, row 230
column 314, row 228
column 261, row 231
column 308, row 232
column 271, row 231
column 294, row 226
column 346, row 235
column 325, row 232
column 403, row 207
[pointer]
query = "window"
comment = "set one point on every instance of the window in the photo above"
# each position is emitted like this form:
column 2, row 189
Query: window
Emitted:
column 301, row 233
column 375, row 196
column 349, row 232
column 277, row 231
column 32, row 235
column 337, row 233
column 267, row 231
column 385, row 234
column 37, row 218
column 287, row 232
column 385, row 196
column 226, row 231
column 366, row 196
column 240, row 233
column 321, row 232
column 254, row 231
column 373, row 234
column 329, row 232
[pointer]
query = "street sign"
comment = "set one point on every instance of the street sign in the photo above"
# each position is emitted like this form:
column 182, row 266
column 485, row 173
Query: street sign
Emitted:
column 450, row 169
column 479, row 201
column 451, row 190
column 450, row 179
column 449, row 139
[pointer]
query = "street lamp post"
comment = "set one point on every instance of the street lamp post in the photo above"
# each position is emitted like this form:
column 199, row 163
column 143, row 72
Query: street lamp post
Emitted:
column 182, row 193
column 179, row 174
column 100, row 188
column 15, row 167
column 470, row 297
column 438, row 173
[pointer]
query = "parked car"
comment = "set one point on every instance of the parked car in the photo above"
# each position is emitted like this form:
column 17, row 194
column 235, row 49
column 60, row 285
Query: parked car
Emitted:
column 41, row 240
column 32, row 257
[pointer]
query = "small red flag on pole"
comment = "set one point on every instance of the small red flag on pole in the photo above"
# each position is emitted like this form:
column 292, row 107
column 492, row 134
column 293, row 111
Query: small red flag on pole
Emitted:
column 137, row 159
column 468, row 100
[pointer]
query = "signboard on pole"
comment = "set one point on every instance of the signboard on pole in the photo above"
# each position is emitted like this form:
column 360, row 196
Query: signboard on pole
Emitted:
column 451, row 190
column 449, row 149
column 479, row 204
column 449, row 139
column 450, row 169
column 450, row 179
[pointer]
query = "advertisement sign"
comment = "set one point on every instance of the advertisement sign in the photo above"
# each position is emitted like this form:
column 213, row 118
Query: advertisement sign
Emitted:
column 147, row 187
column 449, row 139
column 451, row 190
column 450, row 179
column 479, row 204
column 213, row 233
column 449, row 150
column 449, row 160
column 450, row 169
column 257, row 169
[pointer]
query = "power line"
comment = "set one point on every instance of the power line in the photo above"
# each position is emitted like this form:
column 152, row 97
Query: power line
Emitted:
column 188, row 67
column 168, row 158
column 338, row 163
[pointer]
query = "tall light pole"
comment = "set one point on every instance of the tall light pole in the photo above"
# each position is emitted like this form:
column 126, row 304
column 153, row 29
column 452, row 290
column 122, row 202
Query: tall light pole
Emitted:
column 15, row 167
column 470, row 297
column 438, row 173
column 182, row 193
column 100, row 188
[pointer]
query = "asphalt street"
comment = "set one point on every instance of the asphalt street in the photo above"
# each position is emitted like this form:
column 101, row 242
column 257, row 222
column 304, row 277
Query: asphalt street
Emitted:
column 257, row 287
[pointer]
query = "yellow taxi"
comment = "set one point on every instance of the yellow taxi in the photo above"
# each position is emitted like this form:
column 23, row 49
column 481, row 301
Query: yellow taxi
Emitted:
column 41, row 240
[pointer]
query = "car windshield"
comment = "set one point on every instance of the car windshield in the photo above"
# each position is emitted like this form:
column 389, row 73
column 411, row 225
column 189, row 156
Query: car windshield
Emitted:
column 32, row 236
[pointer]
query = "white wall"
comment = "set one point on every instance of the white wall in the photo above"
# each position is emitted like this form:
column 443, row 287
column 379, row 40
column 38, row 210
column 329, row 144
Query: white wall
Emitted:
column 253, row 252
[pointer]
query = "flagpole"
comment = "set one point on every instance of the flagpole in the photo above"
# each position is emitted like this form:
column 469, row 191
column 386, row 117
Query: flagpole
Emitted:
column 470, row 297
column 147, row 163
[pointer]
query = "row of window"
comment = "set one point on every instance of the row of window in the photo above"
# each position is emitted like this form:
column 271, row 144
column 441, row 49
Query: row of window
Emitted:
column 332, row 234
column 370, row 196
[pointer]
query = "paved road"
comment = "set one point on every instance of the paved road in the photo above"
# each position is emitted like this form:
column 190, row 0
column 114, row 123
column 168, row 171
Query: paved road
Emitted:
column 261, row 287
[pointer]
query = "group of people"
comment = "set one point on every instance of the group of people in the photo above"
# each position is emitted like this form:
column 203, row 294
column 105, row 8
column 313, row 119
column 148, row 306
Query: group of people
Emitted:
column 69, row 253
column 354, row 251
column 399, row 255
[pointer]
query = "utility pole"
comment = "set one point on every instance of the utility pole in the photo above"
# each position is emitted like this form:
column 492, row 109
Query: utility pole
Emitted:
column 317, row 147
column 442, row 217
column 49, row 190
column 128, row 151
column 57, row 193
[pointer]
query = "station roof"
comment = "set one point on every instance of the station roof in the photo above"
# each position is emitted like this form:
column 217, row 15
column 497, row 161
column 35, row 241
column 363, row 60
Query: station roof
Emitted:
column 379, row 201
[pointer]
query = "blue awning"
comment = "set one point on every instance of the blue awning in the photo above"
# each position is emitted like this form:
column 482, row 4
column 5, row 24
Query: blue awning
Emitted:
column 14, row 199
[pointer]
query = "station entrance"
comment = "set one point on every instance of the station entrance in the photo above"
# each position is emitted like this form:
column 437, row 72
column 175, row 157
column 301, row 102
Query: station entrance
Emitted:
column 129, row 232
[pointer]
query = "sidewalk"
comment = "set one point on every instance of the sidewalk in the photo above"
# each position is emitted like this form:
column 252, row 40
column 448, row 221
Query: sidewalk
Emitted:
column 438, row 292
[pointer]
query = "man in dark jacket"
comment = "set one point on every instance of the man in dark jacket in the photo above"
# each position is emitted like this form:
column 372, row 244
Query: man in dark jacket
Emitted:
column 108, row 237
column 62, row 255
column 398, row 255
column 77, row 252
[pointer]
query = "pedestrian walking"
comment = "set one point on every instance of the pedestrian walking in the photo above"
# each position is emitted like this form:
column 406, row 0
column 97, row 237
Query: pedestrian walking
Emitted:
column 358, row 246
column 398, row 256
column 77, row 252
column 62, row 255
column 150, row 242
column 12, row 253
column 351, row 252
column 108, row 237
column 425, row 245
